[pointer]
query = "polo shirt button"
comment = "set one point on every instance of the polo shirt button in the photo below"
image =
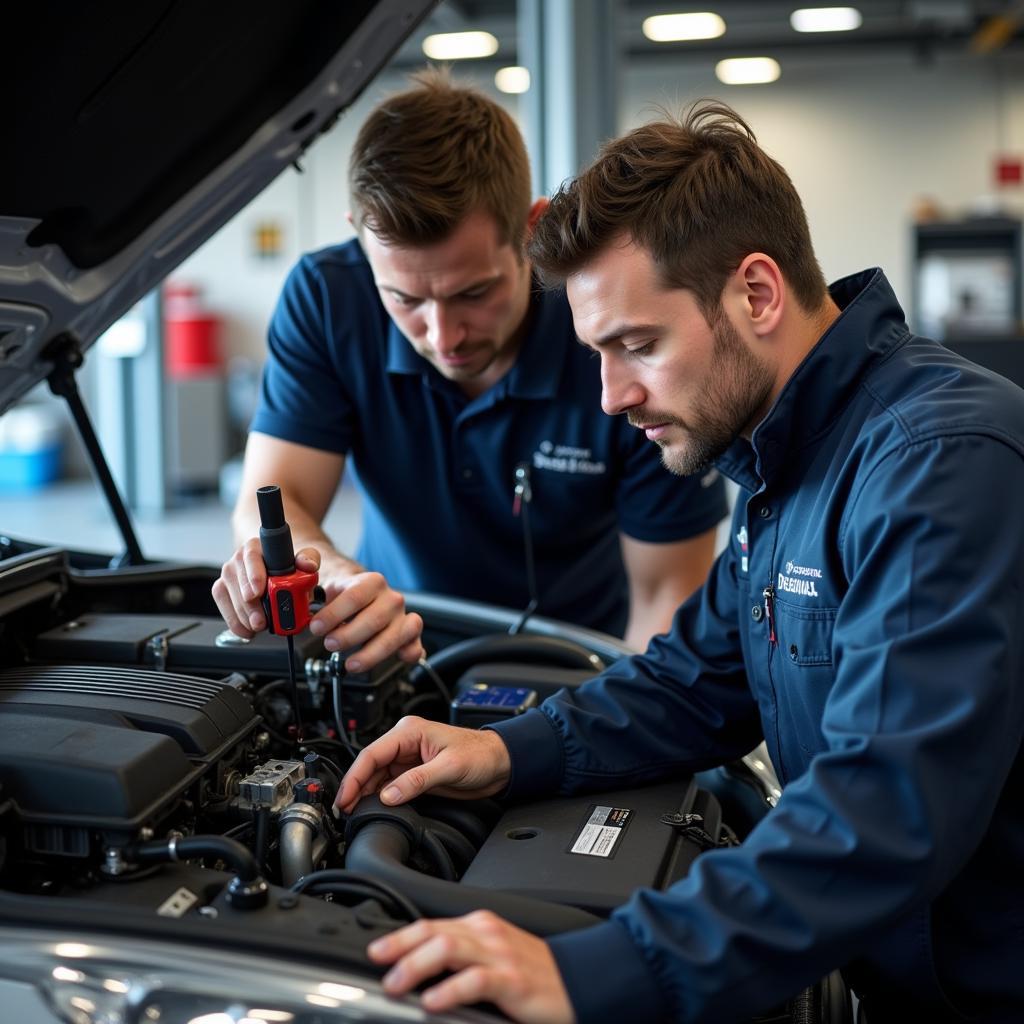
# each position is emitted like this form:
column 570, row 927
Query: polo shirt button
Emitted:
column 764, row 511
column 467, row 474
column 756, row 612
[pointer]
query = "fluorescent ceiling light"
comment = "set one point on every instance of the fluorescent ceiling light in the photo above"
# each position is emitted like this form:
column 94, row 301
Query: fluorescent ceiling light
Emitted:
column 513, row 79
column 671, row 28
column 747, row 70
column 825, row 19
column 460, row 45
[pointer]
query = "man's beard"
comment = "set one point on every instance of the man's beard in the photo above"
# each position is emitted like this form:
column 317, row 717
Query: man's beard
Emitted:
column 738, row 386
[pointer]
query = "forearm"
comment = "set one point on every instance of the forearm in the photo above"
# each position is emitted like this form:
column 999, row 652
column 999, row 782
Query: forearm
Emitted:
column 661, row 578
column 653, row 615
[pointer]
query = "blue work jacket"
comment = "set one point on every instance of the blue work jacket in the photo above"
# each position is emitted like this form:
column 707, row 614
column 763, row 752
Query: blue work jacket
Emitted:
column 866, row 620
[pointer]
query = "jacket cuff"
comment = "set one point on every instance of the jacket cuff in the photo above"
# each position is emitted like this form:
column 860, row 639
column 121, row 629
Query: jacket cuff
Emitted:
column 536, row 754
column 606, row 977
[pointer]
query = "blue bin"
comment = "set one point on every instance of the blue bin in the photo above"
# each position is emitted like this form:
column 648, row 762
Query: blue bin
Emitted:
column 29, row 470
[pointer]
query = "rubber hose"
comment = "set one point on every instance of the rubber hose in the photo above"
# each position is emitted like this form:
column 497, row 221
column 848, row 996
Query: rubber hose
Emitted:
column 187, row 847
column 473, row 818
column 461, row 849
column 438, row 854
column 515, row 647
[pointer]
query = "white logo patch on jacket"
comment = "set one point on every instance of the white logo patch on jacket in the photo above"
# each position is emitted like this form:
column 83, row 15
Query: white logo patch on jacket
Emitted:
column 799, row 579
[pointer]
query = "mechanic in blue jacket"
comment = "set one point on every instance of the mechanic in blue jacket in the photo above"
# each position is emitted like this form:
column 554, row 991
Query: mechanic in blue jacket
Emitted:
column 866, row 620
column 423, row 351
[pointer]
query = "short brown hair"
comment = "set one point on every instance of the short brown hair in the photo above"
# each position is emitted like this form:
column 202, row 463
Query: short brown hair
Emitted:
column 428, row 157
column 698, row 194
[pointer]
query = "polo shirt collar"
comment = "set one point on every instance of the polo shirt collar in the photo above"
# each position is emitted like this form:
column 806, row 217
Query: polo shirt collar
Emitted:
column 541, row 359
column 401, row 356
column 538, row 366
column 870, row 325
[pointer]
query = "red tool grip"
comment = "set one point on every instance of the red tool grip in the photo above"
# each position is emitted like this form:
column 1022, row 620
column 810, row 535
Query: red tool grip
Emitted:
column 287, row 601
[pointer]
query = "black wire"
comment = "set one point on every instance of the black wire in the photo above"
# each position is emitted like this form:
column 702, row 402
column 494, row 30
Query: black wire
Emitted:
column 436, row 679
column 391, row 906
column 339, row 725
column 345, row 876
column 338, row 773
column 531, row 570
column 525, row 497
column 293, row 685
column 517, row 626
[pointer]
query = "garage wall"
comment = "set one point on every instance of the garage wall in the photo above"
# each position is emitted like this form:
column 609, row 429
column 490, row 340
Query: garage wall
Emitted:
column 863, row 141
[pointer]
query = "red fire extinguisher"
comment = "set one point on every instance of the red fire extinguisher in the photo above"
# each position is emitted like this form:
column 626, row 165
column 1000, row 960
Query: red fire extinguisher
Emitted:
column 191, row 334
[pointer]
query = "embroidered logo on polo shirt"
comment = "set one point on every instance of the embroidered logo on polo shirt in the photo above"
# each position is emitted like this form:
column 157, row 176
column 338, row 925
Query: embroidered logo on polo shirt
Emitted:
column 567, row 458
column 799, row 579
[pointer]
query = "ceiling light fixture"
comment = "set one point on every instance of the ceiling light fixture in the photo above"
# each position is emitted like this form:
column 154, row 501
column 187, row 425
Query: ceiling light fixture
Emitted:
column 673, row 28
column 826, row 19
column 512, row 79
column 460, row 45
column 747, row 70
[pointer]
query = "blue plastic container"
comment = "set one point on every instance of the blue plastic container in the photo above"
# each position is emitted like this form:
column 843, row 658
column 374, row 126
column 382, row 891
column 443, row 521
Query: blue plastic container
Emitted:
column 29, row 470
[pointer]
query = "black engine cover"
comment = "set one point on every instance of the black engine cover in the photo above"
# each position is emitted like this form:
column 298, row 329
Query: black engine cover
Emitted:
column 100, row 746
column 593, row 851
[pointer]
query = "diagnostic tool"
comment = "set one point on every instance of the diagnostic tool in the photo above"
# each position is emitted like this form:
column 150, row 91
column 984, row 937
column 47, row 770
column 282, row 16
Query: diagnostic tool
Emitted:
column 289, row 590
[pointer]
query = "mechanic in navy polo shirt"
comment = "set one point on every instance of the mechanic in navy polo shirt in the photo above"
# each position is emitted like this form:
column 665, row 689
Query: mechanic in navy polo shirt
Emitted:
column 866, row 621
column 422, row 351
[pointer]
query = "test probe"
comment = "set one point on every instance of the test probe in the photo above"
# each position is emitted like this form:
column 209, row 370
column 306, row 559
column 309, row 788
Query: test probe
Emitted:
column 289, row 590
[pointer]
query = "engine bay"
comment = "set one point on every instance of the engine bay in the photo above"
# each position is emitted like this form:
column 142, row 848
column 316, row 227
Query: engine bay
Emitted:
column 153, row 777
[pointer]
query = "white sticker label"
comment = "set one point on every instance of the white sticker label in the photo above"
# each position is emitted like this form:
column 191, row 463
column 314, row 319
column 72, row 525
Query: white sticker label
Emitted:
column 601, row 831
column 178, row 904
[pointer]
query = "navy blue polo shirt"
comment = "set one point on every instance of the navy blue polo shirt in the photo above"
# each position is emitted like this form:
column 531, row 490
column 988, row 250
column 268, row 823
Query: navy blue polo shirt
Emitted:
column 437, row 469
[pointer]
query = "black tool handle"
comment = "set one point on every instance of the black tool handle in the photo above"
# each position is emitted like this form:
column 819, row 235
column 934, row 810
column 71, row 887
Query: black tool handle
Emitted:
column 275, row 534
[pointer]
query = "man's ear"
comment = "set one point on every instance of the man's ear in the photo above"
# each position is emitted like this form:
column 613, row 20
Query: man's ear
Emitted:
column 350, row 218
column 538, row 208
column 759, row 285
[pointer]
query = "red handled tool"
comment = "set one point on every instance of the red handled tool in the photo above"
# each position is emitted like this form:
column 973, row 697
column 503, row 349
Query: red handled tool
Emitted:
column 289, row 590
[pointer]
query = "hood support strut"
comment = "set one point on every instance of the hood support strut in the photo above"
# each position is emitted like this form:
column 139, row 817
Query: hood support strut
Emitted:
column 66, row 355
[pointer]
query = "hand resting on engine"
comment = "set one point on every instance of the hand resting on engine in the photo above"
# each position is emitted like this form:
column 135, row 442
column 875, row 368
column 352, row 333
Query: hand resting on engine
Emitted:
column 418, row 756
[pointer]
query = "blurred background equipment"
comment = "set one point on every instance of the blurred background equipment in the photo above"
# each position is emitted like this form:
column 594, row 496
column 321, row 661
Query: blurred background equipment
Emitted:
column 195, row 392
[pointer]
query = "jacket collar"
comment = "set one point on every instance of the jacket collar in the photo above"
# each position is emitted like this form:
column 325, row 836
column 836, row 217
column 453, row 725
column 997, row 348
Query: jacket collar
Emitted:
column 870, row 325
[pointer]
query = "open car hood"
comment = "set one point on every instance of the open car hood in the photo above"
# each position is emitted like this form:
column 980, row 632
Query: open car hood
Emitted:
column 142, row 128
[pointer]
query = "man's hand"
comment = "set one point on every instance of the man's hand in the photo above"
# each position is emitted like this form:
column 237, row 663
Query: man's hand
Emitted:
column 492, row 960
column 416, row 756
column 362, row 613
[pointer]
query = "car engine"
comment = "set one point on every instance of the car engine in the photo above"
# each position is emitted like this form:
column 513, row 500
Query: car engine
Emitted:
column 153, row 777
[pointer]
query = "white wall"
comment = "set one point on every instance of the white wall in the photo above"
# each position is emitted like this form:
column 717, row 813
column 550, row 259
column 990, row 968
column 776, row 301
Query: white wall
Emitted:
column 310, row 206
column 862, row 140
